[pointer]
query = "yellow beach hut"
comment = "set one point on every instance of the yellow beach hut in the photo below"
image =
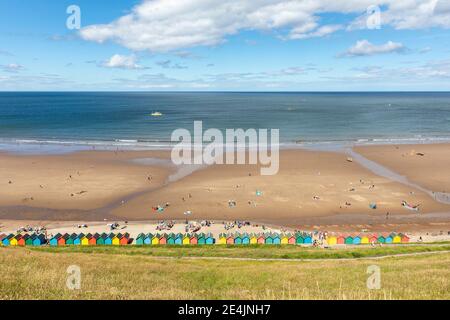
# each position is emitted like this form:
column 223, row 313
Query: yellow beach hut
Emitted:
column 13, row 241
column 222, row 239
column 115, row 241
column 186, row 239
column 365, row 239
column 332, row 240
column 253, row 239
column 85, row 240
column 155, row 239
column 397, row 239
column 284, row 239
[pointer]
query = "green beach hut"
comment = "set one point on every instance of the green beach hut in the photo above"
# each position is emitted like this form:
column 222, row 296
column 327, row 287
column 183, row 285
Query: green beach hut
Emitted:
column 201, row 239
column 348, row 240
column 171, row 239
column 299, row 238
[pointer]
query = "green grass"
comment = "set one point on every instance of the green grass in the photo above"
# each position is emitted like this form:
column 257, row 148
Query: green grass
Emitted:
column 252, row 251
column 135, row 273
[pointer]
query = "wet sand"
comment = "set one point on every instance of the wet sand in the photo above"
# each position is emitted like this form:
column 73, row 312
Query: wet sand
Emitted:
column 312, row 189
column 425, row 164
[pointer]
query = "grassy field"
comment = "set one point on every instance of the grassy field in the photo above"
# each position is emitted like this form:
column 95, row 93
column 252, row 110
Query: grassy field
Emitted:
column 253, row 251
column 138, row 273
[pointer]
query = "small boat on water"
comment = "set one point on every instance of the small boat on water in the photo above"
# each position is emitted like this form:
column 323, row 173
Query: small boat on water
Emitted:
column 156, row 114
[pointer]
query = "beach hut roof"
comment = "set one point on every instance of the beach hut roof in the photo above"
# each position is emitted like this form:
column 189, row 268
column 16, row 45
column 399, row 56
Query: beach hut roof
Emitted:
column 2, row 236
column 126, row 235
column 57, row 236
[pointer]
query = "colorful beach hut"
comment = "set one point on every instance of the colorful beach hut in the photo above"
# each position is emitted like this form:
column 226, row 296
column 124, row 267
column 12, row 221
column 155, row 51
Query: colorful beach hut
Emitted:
column 348, row 240
column 13, row 240
column 140, row 239
column 193, row 239
column 405, row 238
column 245, row 239
column 201, row 239
column 307, row 239
column 269, row 239
column 171, row 239
column 77, row 240
column 63, row 239
column 210, row 239
column 19, row 240
column 381, row 239
column 29, row 239
column 109, row 239
column 261, row 239
column 148, row 239
column 299, row 238
column 85, row 239
column 364, row 239
column 284, row 239
column 115, row 241
column 230, row 239
column 340, row 239
column 93, row 239
column 237, row 239
column 276, row 238
column 253, row 239
column 357, row 240
column 163, row 239
column 291, row 239
column 332, row 240
column 124, row 239
column 179, row 239
column 222, row 238
column 155, row 239
column 396, row 239
column 186, row 239
column 388, row 239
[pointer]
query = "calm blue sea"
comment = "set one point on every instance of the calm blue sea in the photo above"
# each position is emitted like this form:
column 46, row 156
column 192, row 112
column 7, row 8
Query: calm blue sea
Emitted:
column 33, row 120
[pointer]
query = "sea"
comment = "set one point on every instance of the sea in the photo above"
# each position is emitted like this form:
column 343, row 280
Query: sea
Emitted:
column 68, row 121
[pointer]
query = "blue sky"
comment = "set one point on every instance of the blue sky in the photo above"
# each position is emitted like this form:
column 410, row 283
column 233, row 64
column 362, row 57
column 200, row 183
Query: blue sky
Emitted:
column 259, row 45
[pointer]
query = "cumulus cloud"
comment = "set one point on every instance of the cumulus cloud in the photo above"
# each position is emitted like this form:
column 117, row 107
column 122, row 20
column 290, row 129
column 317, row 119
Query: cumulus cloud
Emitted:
column 122, row 62
column 365, row 48
column 165, row 25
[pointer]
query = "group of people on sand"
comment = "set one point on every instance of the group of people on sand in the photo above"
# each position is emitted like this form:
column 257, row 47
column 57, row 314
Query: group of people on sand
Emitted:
column 28, row 228
column 237, row 223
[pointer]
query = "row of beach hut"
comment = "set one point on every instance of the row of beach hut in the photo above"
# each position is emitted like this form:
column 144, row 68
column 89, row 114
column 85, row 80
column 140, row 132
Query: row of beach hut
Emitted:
column 299, row 238
column 66, row 239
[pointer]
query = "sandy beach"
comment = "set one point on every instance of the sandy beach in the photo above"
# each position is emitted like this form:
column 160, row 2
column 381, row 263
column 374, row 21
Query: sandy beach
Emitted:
column 313, row 190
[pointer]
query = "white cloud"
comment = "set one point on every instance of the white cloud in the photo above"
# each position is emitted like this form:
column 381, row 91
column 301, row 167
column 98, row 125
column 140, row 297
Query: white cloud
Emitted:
column 165, row 25
column 365, row 48
column 122, row 62
column 12, row 67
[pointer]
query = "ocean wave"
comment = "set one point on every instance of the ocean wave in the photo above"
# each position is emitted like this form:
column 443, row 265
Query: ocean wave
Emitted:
column 57, row 146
